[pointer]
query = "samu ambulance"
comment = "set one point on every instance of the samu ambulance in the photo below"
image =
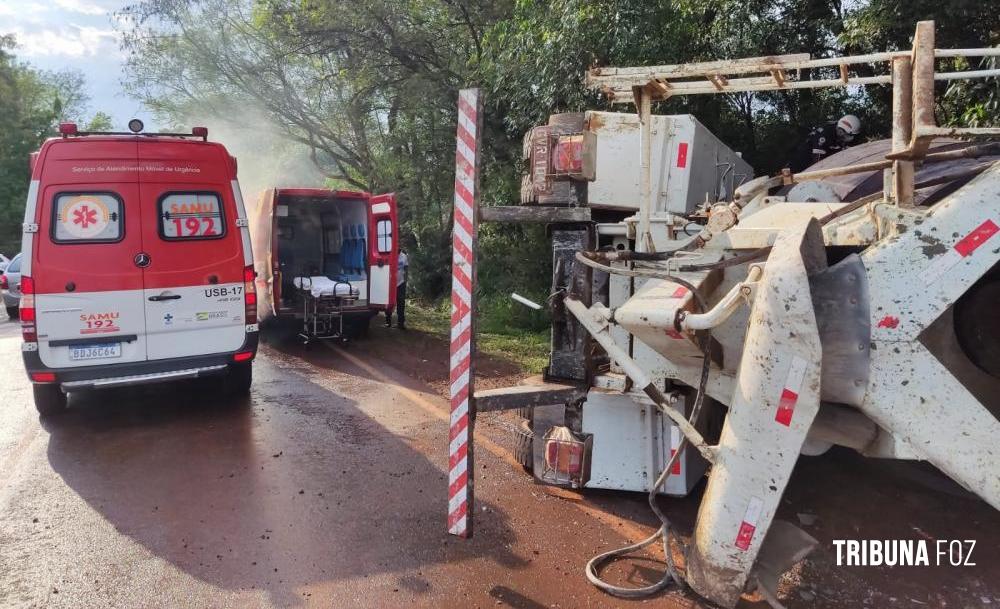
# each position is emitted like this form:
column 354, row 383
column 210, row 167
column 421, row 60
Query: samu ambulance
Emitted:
column 137, row 265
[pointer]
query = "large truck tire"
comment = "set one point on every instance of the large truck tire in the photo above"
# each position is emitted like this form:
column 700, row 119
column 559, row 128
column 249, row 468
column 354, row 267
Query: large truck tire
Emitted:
column 49, row 399
column 523, row 439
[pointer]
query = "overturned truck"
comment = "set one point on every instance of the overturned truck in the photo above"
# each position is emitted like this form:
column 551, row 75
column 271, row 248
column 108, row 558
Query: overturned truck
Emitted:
column 709, row 321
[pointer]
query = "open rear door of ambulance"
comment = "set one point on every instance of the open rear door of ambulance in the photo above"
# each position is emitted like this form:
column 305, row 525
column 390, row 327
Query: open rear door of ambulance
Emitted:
column 383, row 251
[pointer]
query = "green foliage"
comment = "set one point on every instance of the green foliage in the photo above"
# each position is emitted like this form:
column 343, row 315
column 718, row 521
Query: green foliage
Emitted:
column 528, row 346
column 537, row 58
column 883, row 25
column 27, row 113
column 31, row 105
column 99, row 122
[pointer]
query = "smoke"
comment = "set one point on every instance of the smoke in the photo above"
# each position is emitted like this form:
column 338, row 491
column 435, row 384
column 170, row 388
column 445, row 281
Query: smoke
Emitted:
column 265, row 159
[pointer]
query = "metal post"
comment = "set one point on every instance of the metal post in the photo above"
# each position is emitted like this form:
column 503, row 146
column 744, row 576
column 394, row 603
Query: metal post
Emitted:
column 644, row 103
column 463, row 307
column 923, row 89
column 901, row 174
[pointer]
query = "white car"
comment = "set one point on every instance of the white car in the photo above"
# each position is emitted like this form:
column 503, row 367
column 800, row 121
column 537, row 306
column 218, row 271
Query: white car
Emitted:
column 10, row 285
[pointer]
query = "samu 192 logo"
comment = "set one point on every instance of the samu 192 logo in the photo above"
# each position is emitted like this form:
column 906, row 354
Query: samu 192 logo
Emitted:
column 85, row 217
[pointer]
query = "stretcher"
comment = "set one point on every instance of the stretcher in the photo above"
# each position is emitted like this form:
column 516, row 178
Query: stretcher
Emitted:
column 323, row 303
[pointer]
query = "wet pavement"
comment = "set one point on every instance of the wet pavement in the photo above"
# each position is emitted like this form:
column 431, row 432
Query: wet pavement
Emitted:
column 326, row 487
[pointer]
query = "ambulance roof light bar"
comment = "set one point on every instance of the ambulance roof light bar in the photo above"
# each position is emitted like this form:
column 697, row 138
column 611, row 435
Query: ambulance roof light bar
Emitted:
column 135, row 128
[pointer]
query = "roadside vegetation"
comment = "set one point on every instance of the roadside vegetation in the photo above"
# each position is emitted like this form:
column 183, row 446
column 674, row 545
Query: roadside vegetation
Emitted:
column 32, row 104
column 503, row 331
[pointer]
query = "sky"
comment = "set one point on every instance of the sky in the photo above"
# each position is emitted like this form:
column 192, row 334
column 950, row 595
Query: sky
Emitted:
column 76, row 34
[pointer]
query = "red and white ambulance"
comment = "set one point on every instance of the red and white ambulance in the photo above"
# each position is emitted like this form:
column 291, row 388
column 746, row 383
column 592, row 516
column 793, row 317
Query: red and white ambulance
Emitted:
column 340, row 245
column 137, row 265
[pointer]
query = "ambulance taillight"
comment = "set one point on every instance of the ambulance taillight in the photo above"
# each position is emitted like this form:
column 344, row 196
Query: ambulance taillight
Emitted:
column 27, row 310
column 250, row 294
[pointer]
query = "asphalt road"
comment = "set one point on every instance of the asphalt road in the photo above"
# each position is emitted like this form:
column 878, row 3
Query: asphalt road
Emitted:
column 327, row 488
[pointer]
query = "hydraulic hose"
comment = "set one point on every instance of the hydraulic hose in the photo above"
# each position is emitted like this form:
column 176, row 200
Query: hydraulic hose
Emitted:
column 663, row 533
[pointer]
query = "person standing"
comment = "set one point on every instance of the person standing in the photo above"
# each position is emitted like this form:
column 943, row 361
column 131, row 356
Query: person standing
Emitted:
column 402, row 270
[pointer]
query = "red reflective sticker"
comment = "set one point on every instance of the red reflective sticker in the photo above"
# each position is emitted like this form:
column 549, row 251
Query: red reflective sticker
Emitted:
column 745, row 535
column 786, row 407
column 680, row 292
column 675, row 441
column 790, row 392
column 977, row 237
column 682, row 155
column 888, row 322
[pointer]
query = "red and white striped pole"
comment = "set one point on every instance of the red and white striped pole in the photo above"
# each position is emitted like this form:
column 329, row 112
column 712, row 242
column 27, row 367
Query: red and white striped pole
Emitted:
column 463, row 306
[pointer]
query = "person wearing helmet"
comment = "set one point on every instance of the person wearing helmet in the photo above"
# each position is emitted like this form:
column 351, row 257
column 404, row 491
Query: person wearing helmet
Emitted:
column 824, row 141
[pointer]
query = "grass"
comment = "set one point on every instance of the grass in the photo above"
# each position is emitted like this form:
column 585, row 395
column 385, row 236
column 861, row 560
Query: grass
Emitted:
column 528, row 348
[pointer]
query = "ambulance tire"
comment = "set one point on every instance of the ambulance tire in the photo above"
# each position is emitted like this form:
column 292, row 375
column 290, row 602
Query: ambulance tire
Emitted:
column 13, row 312
column 49, row 399
column 239, row 378
column 523, row 452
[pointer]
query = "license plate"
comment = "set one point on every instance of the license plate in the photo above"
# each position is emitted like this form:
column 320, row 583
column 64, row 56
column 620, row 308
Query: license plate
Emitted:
column 104, row 351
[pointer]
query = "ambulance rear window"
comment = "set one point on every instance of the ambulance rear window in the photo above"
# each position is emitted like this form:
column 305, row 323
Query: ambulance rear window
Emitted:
column 87, row 217
column 383, row 233
column 191, row 215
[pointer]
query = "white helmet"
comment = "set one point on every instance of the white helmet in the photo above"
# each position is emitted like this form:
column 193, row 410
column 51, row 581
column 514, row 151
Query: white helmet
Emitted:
column 850, row 124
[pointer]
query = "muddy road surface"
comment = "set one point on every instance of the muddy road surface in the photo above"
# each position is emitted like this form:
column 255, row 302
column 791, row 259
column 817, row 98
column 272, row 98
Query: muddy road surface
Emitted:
column 326, row 487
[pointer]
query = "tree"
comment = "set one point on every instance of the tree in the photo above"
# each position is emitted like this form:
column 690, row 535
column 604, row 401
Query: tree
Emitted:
column 31, row 105
column 27, row 113
column 367, row 87
column 68, row 88
column 99, row 122
column 888, row 25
